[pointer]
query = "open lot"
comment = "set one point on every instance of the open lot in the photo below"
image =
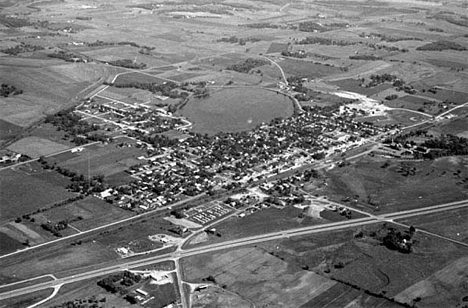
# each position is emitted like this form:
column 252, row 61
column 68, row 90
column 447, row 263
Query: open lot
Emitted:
column 236, row 109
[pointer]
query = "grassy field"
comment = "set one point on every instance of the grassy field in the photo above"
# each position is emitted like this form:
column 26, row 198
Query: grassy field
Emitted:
column 106, row 160
column 21, row 194
column 138, row 78
column 236, row 109
column 452, row 224
column 25, row 300
column 8, row 244
column 35, row 147
column 433, row 182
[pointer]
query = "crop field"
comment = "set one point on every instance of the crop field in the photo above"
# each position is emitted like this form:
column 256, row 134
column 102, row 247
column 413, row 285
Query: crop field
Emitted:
column 184, row 76
column 341, row 295
column 306, row 69
column 236, row 110
column 106, row 160
column 277, row 47
column 36, row 82
column 8, row 130
column 257, row 276
column 444, row 288
column 21, row 194
column 391, row 190
column 35, row 147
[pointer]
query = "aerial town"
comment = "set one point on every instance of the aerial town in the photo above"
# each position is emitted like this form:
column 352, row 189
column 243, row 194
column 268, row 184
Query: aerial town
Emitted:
column 241, row 153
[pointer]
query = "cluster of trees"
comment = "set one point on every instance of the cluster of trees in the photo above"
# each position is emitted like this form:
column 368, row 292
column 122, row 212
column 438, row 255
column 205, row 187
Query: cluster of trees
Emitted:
column 68, row 56
column 40, row 210
column 68, row 121
column 295, row 54
column 247, row 65
column 22, row 48
column 127, row 63
column 91, row 302
column 7, row 90
column 391, row 39
column 391, row 97
column 310, row 26
column 442, row 45
column 445, row 145
column 450, row 18
column 166, row 89
column 365, row 57
column 59, row 226
column 78, row 181
column 133, row 44
column 399, row 241
column 262, row 25
column 14, row 22
column 119, row 282
column 241, row 41
column 323, row 41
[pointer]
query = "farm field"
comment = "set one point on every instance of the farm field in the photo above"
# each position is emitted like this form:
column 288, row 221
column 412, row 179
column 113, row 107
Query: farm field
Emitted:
column 232, row 110
column 22, row 194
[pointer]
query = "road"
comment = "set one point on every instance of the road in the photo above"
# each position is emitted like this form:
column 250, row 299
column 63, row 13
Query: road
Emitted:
column 251, row 240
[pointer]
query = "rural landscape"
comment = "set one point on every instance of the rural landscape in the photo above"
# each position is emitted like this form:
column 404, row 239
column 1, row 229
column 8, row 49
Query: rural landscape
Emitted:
column 233, row 153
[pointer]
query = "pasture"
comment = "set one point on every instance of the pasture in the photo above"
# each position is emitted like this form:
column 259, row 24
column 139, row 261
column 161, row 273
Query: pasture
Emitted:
column 236, row 109
column 391, row 190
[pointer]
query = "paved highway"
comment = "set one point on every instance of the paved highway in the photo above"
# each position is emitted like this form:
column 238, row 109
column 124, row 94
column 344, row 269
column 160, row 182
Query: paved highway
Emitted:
column 329, row 227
